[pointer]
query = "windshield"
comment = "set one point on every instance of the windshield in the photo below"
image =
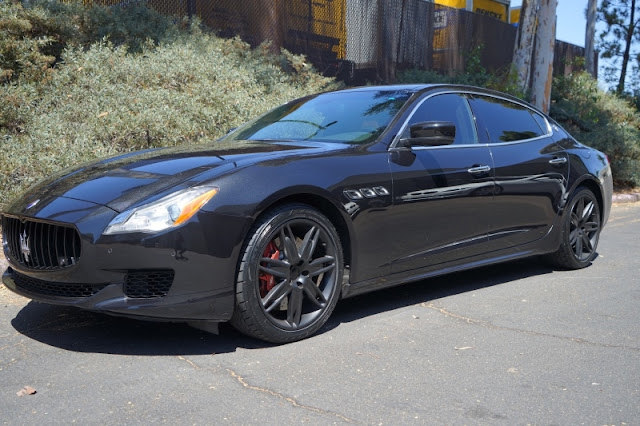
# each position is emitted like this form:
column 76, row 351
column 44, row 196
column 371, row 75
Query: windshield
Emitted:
column 346, row 117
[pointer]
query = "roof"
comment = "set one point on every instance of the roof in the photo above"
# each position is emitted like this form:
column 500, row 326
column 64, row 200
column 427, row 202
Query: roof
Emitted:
column 406, row 87
column 414, row 88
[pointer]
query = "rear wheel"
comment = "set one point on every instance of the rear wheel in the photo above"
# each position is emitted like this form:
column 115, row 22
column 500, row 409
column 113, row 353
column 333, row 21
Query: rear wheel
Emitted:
column 289, row 276
column 580, row 231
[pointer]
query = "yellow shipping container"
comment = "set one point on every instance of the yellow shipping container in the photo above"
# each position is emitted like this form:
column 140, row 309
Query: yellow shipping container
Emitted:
column 494, row 8
column 458, row 4
column 514, row 15
column 321, row 22
column 499, row 9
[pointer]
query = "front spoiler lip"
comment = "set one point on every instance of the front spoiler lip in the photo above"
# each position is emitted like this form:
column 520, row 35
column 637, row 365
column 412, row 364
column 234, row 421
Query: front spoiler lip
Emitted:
column 203, row 306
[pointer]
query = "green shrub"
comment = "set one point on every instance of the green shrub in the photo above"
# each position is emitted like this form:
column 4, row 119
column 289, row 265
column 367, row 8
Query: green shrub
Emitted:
column 33, row 38
column 418, row 76
column 474, row 75
column 26, row 43
column 105, row 100
column 503, row 81
column 601, row 120
column 131, row 26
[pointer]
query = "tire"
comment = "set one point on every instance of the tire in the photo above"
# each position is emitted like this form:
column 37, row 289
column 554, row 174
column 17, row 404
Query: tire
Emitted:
column 289, row 275
column 581, row 226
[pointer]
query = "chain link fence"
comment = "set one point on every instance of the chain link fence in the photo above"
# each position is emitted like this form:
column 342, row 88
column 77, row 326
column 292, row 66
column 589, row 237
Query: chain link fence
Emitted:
column 363, row 39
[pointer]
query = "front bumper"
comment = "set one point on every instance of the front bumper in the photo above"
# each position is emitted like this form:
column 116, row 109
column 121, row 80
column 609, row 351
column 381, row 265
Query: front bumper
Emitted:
column 207, row 305
column 196, row 263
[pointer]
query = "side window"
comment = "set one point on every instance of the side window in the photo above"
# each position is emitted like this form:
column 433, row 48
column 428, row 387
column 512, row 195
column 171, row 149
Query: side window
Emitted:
column 505, row 121
column 448, row 107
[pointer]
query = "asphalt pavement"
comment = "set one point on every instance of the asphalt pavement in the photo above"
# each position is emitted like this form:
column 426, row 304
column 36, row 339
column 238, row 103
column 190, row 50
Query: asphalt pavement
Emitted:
column 517, row 343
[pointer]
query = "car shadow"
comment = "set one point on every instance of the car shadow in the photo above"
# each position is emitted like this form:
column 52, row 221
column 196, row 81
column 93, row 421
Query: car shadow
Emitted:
column 83, row 331
column 435, row 288
column 78, row 330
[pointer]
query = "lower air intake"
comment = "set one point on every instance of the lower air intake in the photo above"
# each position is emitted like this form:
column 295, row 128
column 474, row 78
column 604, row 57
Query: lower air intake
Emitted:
column 148, row 283
column 53, row 288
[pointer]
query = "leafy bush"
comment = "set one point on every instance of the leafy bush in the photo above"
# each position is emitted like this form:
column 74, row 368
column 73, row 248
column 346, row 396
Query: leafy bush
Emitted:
column 601, row 120
column 33, row 38
column 189, row 88
column 132, row 26
column 474, row 75
column 27, row 42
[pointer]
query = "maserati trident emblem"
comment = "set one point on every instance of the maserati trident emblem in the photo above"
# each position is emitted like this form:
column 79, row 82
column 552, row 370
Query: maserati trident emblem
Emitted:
column 24, row 246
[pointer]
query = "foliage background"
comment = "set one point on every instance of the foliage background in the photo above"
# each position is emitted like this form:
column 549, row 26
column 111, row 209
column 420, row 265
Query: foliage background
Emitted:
column 147, row 82
column 618, row 43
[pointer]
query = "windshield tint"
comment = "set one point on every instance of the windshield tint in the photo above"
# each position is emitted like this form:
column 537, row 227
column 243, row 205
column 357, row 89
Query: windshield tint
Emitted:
column 347, row 117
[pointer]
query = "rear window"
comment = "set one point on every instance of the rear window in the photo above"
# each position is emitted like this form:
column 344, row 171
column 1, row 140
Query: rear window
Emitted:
column 505, row 121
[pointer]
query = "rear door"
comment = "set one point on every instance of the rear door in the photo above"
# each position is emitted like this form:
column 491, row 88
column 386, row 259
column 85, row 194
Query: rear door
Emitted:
column 530, row 170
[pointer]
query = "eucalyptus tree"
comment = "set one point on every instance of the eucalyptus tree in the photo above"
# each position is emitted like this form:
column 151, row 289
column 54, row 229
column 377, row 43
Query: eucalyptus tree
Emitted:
column 620, row 39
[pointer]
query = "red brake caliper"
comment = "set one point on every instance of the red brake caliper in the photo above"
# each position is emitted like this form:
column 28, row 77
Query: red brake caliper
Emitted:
column 268, row 281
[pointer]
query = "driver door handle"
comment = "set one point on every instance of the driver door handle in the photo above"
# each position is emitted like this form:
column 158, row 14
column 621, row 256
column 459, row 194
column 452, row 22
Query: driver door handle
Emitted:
column 479, row 169
column 558, row 160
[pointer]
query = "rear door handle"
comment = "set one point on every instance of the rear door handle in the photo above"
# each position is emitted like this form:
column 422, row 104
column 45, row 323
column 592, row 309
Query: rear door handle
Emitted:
column 558, row 160
column 479, row 169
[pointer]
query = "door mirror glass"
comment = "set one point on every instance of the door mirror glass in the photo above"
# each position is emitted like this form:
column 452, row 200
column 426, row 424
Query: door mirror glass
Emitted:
column 432, row 133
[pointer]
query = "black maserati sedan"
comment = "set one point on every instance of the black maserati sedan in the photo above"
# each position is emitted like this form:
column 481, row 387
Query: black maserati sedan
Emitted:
column 325, row 197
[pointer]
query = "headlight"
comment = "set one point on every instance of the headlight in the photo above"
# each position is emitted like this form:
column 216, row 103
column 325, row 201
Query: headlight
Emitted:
column 167, row 212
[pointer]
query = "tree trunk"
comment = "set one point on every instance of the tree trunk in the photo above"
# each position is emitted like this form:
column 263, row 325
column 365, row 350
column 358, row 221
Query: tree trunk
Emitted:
column 523, row 49
column 264, row 20
column 589, row 38
column 627, row 48
column 542, row 76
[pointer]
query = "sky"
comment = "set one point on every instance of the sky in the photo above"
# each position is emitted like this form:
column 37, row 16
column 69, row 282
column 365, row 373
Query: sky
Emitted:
column 571, row 22
column 571, row 26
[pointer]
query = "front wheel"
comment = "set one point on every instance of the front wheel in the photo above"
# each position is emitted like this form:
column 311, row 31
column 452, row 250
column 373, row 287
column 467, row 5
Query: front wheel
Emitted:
column 290, row 275
column 580, row 231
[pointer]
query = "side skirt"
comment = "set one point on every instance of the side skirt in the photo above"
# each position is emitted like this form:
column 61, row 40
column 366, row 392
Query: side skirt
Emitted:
column 547, row 244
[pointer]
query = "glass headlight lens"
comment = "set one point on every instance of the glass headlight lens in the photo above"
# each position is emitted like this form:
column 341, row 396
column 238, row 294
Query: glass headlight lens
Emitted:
column 172, row 210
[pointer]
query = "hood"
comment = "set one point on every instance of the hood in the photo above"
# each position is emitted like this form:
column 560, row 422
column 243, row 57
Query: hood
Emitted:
column 121, row 181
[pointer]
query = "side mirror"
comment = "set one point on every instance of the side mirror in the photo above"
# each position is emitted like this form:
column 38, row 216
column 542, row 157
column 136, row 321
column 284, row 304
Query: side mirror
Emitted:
column 431, row 133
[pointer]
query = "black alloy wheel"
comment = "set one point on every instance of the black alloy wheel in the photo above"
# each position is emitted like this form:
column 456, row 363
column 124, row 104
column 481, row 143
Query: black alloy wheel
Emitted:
column 290, row 275
column 581, row 231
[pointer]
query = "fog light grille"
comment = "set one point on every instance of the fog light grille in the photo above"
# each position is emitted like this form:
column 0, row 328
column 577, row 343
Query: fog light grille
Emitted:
column 149, row 283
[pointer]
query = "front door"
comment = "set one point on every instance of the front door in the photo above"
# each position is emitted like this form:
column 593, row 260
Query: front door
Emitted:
column 441, row 195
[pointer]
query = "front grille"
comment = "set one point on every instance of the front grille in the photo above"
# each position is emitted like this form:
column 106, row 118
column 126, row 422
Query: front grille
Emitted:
column 52, row 288
column 39, row 245
column 146, row 284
